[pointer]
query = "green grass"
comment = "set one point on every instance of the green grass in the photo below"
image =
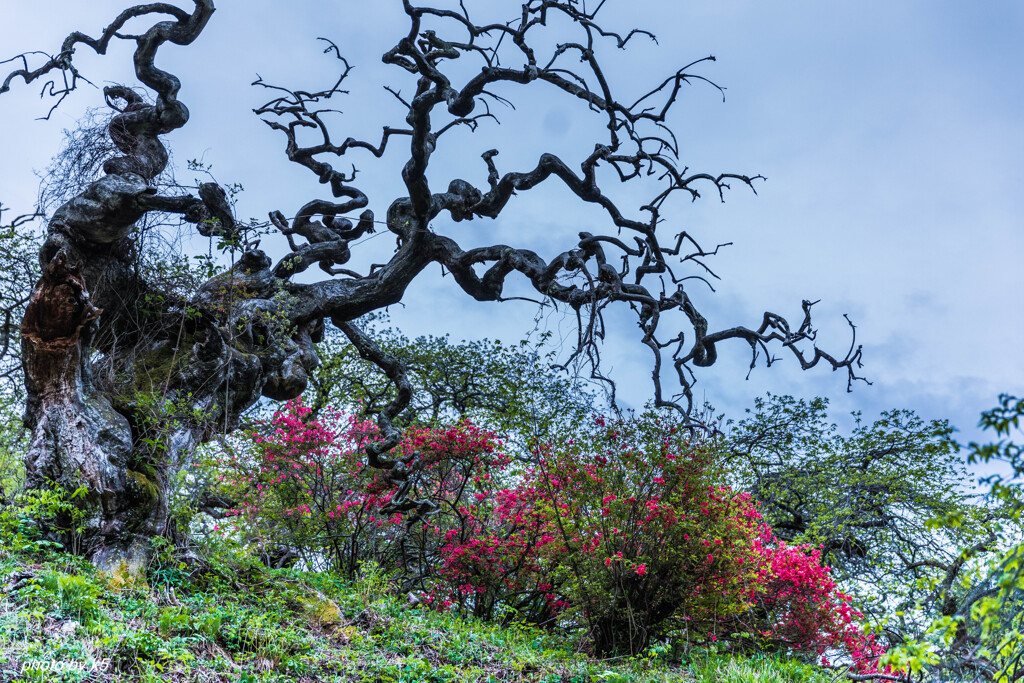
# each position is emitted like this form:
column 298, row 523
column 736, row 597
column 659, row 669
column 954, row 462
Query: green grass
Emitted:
column 759, row 669
column 65, row 625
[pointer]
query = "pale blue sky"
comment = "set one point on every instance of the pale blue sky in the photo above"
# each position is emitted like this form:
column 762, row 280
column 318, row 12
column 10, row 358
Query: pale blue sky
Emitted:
column 891, row 135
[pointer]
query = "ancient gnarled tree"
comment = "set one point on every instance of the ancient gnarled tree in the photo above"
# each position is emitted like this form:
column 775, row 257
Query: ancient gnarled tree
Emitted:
column 250, row 331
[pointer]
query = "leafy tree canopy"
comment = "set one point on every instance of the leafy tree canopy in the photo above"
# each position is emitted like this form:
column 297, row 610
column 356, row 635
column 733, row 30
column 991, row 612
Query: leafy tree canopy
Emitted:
column 888, row 502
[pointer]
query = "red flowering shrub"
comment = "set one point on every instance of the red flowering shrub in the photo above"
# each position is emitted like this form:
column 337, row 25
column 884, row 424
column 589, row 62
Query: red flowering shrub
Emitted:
column 648, row 540
column 303, row 486
column 625, row 529
column 478, row 552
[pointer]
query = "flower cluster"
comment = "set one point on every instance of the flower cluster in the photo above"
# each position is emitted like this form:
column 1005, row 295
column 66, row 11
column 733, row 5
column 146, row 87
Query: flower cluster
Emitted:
column 799, row 605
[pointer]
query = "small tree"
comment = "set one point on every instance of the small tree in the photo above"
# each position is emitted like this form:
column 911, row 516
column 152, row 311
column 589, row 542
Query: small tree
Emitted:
column 19, row 254
column 885, row 503
column 981, row 634
column 653, row 544
column 653, row 540
column 512, row 389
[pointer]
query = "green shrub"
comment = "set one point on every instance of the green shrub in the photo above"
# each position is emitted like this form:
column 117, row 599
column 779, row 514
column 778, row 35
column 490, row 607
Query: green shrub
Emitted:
column 35, row 517
column 72, row 597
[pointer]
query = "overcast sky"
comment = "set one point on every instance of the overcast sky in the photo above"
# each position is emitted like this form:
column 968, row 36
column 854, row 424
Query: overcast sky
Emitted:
column 890, row 134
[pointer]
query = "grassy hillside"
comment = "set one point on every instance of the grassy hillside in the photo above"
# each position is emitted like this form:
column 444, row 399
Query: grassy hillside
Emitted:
column 221, row 621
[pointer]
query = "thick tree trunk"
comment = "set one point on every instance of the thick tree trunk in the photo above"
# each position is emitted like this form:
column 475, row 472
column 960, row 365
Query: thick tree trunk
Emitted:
column 79, row 442
column 119, row 399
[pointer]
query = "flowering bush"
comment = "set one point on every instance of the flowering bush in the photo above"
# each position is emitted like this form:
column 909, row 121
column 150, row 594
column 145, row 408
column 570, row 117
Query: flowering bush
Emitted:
column 303, row 486
column 478, row 552
column 622, row 528
column 649, row 541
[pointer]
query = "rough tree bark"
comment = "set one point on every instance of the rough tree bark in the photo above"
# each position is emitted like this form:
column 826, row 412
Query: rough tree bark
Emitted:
column 178, row 372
